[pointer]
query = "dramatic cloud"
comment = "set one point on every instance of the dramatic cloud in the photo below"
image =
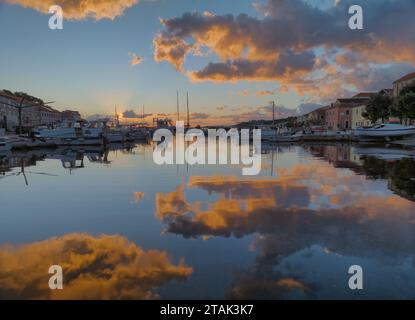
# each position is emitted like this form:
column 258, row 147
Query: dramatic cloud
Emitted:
column 171, row 49
column 80, row 9
column 135, row 59
column 107, row 267
column 306, row 48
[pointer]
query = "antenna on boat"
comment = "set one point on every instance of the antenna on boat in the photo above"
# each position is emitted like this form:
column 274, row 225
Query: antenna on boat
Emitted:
column 188, row 115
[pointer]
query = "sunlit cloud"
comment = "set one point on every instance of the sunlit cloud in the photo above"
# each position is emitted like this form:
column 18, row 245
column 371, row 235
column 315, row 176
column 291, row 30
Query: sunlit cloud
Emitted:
column 135, row 59
column 80, row 9
column 105, row 267
column 138, row 196
column 318, row 57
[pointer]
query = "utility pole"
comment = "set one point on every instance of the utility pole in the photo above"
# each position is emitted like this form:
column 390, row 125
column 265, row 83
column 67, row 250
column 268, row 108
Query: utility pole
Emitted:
column 188, row 114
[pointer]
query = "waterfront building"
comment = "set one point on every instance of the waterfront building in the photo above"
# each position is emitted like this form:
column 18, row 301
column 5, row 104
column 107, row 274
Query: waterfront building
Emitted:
column 318, row 116
column 34, row 116
column 358, row 120
column 403, row 82
column 339, row 116
column 9, row 115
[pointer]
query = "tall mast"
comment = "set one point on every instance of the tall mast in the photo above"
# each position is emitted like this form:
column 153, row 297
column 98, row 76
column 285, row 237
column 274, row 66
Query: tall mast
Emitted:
column 178, row 116
column 143, row 113
column 188, row 114
column 273, row 113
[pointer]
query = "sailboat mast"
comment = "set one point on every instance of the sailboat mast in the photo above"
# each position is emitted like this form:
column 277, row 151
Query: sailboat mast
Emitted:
column 188, row 114
column 178, row 116
column 273, row 113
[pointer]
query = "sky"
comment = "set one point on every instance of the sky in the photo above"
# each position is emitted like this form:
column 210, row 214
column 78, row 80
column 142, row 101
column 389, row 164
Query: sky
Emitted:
column 233, row 57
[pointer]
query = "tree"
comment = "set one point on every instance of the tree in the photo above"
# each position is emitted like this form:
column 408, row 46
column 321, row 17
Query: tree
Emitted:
column 404, row 105
column 29, row 98
column 291, row 122
column 378, row 107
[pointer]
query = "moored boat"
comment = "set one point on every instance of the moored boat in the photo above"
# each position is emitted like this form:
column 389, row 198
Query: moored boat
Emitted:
column 288, row 137
column 385, row 130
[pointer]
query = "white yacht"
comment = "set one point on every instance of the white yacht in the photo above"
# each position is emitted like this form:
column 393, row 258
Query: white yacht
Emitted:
column 268, row 134
column 71, row 133
column 385, row 130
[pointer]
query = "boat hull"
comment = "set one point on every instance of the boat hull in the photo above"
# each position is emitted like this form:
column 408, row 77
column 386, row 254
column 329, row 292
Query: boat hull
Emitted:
column 383, row 133
column 286, row 139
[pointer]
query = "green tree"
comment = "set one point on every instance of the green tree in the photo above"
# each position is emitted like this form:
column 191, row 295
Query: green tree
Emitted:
column 28, row 97
column 291, row 122
column 404, row 105
column 378, row 107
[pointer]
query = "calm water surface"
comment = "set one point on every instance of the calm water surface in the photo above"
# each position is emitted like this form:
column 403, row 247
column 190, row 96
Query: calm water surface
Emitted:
column 124, row 228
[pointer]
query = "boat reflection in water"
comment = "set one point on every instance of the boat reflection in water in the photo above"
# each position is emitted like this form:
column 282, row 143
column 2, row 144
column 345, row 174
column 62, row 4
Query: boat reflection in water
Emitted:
column 291, row 232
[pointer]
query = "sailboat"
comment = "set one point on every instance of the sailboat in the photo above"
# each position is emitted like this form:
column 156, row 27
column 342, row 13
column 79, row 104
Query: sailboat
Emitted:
column 269, row 133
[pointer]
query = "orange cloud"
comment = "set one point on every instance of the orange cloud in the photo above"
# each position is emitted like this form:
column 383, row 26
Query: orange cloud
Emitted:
column 135, row 59
column 80, row 9
column 105, row 267
column 261, row 49
column 264, row 93
column 138, row 196
column 171, row 49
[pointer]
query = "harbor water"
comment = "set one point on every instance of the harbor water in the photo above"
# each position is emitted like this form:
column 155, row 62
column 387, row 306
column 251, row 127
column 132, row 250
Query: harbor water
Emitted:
column 123, row 227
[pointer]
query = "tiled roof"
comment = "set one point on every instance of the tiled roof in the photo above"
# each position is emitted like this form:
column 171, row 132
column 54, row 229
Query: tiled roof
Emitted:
column 407, row 77
column 364, row 95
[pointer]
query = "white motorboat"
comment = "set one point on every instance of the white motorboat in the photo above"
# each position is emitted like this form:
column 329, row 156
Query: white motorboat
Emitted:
column 70, row 133
column 288, row 137
column 385, row 130
column 69, row 129
column 268, row 134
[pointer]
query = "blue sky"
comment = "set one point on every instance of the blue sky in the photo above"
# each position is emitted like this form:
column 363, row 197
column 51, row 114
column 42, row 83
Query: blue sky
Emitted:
column 86, row 66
